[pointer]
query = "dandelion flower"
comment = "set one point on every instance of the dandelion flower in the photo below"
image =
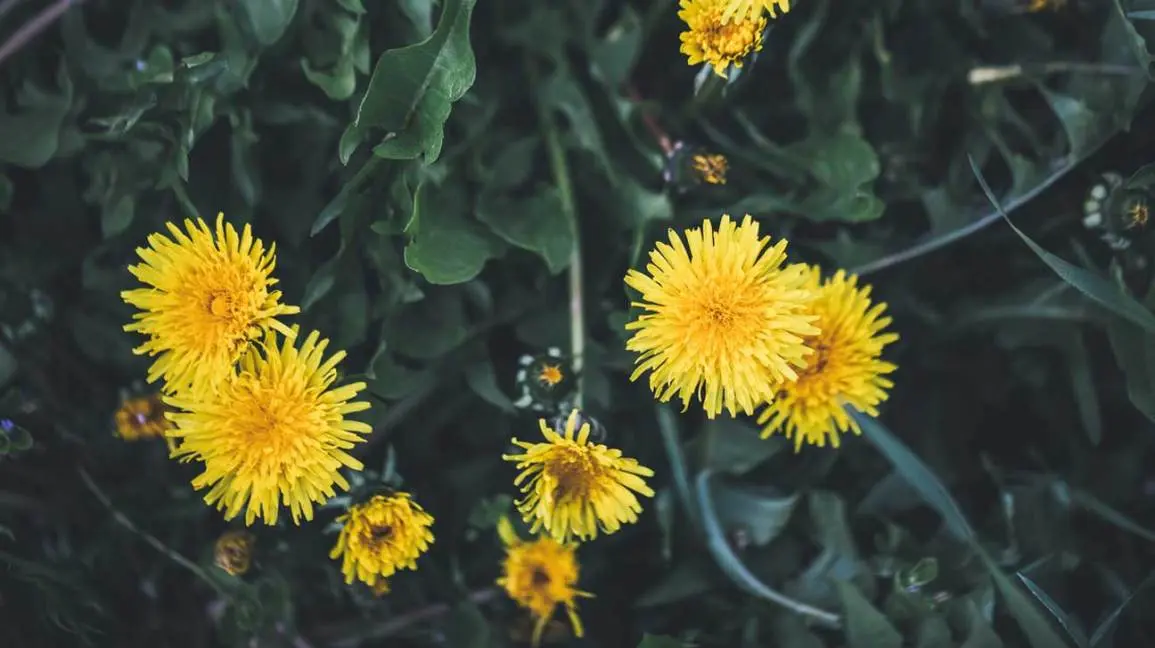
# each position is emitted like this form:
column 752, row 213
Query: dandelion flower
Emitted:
column 234, row 552
column 725, row 321
column 539, row 576
column 274, row 431
column 142, row 418
column 746, row 9
column 207, row 298
column 709, row 38
column 381, row 536
column 846, row 369
column 573, row 487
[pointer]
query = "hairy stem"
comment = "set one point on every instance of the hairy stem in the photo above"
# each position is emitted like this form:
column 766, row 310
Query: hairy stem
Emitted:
column 561, row 176
column 152, row 540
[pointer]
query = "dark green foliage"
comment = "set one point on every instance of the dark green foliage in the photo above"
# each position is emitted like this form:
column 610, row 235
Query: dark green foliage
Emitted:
column 426, row 169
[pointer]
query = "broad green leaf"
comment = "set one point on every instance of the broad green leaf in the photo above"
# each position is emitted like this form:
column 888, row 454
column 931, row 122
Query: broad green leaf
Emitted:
column 612, row 58
column 832, row 530
column 412, row 89
column 790, row 631
column 844, row 164
column 917, row 474
column 117, row 215
column 483, row 381
column 864, row 625
column 730, row 564
column 561, row 92
column 685, row 580
column 536, row 223
column 761, row 512
column 1108, row 294
column 444, row 245
column 269, row 18
column 30, row 131
column 734, row 446
column 466, row 627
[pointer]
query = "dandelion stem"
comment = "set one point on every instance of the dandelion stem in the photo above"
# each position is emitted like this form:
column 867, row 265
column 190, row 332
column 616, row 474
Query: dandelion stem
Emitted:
column 124, row 521
column 340, row 636
column 32, row 28
column 561, row 177
column 730, row 564
column 651, row 124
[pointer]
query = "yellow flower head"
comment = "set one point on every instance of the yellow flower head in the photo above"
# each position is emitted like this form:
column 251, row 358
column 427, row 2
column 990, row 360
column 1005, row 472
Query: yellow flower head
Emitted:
column 711, row 39
column 725, row 321
column 234, row 552
column 539, row 576
column 381, row 536
column 710, row 168
column 845, row 370
column 207, row 297
column 574, row 487
column 747, row 9
column 142, row 418
column 275, row 432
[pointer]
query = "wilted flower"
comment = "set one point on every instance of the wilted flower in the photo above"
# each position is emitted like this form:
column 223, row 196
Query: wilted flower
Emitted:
column 142, row 417
column 234, row 552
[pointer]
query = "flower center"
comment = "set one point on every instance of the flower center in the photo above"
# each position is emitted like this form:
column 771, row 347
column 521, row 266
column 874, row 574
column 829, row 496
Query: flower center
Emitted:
column 719, row 313
column 539, row 577
column 818, row 361
column 379, row 535
column 220, row 305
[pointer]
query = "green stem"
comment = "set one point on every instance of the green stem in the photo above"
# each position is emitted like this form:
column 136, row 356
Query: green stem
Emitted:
column 152, row 540
column 561, row 177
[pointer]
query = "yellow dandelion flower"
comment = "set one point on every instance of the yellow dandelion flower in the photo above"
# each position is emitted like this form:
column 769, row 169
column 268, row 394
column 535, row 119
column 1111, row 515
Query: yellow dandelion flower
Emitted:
column 381, row 536
column 207, row 297
column 845, row 371
column 142, row 418
column 711, row 39
column 539, row 576
column 550, row 375
column 746, row 9
column 710, row 168
column 725, row 321
column 234, row 552
column 574, row 487
column 275, row 431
